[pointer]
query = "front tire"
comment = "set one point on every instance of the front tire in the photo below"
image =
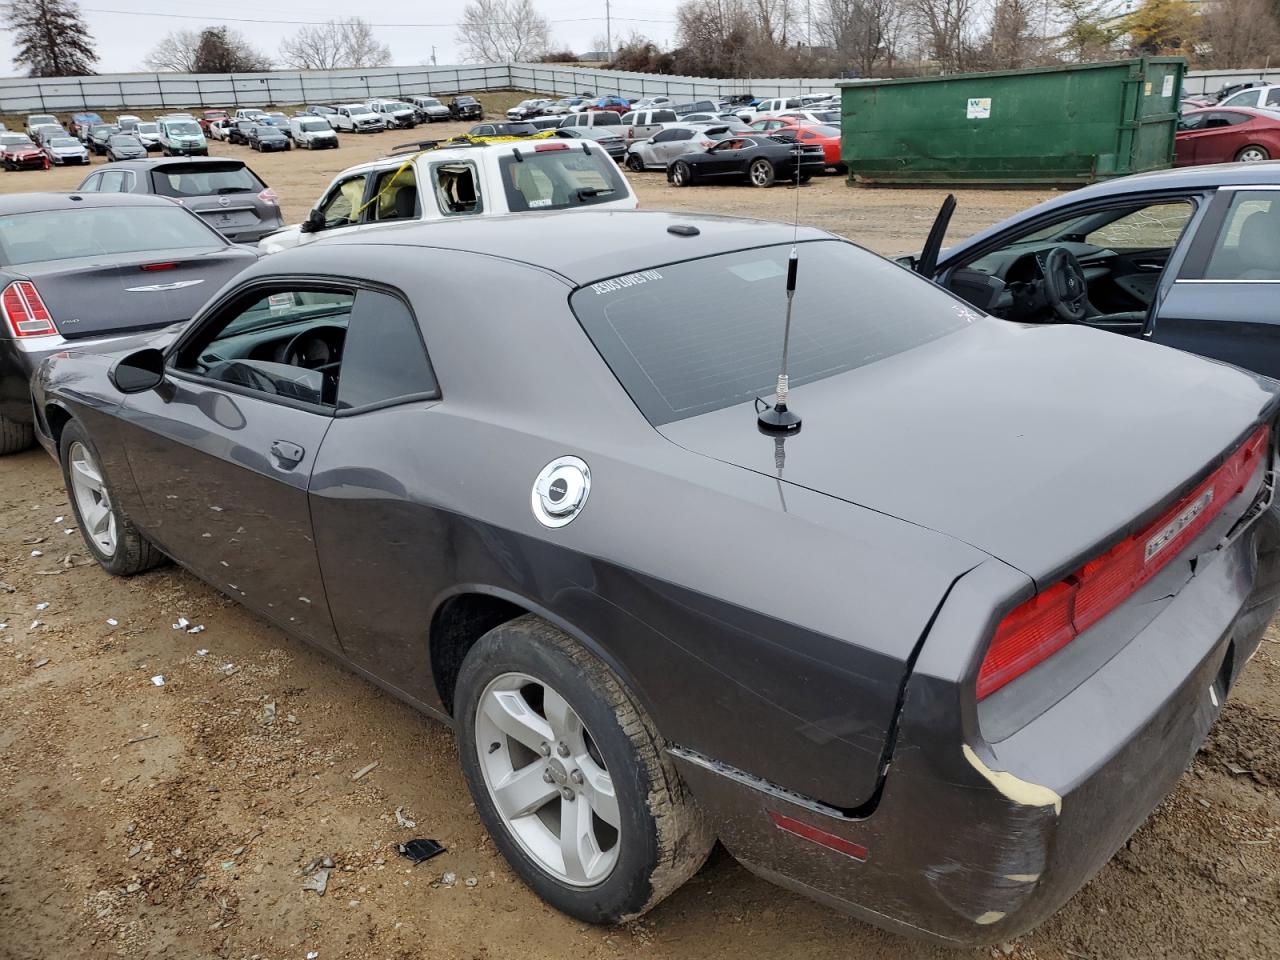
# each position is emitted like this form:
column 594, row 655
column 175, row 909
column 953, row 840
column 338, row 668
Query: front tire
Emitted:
column 570, row 777
column 107, row 531
column 762, row 173
column 15, row 437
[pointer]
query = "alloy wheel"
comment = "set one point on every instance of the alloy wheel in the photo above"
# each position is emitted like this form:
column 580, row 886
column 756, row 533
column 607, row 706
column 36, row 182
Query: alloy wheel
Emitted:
column 761, row 174
column 548, row 780
column 92, row 499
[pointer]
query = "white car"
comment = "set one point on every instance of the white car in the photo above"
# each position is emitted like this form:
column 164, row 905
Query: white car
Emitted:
column 395, row 113
column 357, row 118
column 767, row 108
column 468, row 180
column 41, row 120
column 671, row 142
column 819, row 116
column 314, row 133
column 148, row 131
column 249, row 113
column 1265, row 98
column 218, row 129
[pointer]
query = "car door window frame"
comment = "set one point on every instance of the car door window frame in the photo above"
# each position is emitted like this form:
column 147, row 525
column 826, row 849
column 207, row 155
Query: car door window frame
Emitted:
column 358, row 213
column 1217, row 215
column 242, row 296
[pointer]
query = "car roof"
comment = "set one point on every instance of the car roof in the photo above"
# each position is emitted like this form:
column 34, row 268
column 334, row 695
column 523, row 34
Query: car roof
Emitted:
column 35, row 202
column 1262, row 113
column 586, row 245
column 158, row 163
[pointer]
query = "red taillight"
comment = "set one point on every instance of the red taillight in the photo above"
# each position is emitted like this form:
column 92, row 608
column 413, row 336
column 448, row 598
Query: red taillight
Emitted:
column 25, row 311
column 547, row 147
column 1043, row 625
column 151, row 267
column 269, row 196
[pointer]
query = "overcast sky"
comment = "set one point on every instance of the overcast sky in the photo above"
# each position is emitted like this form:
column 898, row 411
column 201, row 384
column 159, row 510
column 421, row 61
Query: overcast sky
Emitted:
column 126, row 35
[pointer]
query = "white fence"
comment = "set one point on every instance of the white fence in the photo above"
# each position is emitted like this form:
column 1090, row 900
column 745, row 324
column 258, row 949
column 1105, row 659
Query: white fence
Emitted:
column 152, row 91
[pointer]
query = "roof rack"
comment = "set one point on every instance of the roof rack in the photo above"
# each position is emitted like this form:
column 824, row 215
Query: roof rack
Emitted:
column 417, row 146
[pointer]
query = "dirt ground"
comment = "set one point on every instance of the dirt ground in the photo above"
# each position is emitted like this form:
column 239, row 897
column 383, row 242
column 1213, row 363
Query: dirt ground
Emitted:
column 139, row 820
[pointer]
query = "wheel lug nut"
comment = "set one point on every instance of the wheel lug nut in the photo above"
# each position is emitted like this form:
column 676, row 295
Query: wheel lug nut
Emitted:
column 545, row 749
column 562, row 749
column 566, row 793
column 576, row 777
column 546, row 775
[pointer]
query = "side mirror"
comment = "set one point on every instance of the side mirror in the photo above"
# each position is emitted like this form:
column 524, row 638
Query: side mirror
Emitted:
column 138, row 372
column 314, row 222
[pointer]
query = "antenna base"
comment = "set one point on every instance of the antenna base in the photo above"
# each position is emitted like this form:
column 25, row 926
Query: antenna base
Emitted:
column 778, row 419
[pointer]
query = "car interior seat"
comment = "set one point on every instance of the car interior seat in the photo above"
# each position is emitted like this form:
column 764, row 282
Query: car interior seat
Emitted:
column 1259, row 249
column 406, row 202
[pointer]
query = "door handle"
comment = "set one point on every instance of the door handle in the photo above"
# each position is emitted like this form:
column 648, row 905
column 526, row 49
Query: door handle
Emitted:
column 287, row 454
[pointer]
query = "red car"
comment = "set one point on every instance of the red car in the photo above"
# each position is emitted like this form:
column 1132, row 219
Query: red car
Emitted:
column 21, row 153
column 818, row 134
column 211, row 116
column 1215, row 135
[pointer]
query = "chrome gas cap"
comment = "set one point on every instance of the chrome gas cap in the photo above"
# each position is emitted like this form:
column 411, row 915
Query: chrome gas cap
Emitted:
column 560, row 492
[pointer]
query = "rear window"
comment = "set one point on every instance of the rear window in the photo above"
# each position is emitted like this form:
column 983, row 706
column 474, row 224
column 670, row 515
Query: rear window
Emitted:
column 606, row 118
column 559, row 179
column 100, row 231
column 205, row 180
column 692, row 337
column 663, row 116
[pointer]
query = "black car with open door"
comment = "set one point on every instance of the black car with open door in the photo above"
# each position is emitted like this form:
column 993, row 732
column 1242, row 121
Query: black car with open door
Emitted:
column 1189, row 258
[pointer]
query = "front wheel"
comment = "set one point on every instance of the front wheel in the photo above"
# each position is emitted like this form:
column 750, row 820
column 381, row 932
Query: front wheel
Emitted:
column 570, row 777
column 107, row 531
column 681, row 174
column 1253, row 154
column 762, row 173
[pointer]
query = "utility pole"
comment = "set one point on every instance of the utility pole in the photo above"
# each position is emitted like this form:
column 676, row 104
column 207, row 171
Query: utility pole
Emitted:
column 433, row 54
column 608, row 28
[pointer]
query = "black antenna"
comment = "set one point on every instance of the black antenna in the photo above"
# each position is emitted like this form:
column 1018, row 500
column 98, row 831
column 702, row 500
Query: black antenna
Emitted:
column 778, row 419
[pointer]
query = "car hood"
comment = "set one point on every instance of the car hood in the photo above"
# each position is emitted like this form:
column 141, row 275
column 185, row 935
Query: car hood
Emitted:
column 1039, row 445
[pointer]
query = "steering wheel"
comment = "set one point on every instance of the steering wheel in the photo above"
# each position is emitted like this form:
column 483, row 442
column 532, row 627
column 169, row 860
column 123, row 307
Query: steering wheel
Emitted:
column 1066, row 292
column 319, row 348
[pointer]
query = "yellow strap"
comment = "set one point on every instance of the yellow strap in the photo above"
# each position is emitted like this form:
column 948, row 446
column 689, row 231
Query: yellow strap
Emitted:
column 455, row 141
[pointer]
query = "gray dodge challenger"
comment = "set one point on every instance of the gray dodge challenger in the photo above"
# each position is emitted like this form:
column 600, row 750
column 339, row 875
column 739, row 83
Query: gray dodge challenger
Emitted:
column 929, row 654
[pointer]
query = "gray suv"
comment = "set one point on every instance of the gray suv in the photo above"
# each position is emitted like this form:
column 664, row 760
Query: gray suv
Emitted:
column 225, row 193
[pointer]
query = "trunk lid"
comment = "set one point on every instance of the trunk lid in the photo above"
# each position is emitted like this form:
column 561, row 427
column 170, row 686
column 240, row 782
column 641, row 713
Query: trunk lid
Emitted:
column 1038, row 445
column 116, row 294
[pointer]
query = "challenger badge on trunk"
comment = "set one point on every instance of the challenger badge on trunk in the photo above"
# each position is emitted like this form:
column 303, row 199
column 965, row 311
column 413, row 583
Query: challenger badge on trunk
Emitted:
column 1175, row 526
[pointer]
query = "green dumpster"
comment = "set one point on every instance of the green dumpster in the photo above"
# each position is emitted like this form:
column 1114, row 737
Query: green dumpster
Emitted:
column 1067, row 125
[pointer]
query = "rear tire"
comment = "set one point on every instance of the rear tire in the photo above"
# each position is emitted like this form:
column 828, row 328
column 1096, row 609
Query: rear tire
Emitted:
column 129, row 552
column 634, row 163
column 681, row 174
column 613, row 763
column 1253, row 154
column 15, row 437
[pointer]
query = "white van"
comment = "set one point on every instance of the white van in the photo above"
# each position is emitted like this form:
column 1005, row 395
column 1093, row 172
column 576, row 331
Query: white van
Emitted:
column 182, row 137
column 314, row 133
column 460, row 181
column 358, row 118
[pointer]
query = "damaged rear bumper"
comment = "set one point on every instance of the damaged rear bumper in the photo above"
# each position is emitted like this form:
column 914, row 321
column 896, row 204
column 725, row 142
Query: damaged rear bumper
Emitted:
column 974, row 844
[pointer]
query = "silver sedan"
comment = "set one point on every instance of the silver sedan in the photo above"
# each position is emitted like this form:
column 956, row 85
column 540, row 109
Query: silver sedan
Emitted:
column 674, row 141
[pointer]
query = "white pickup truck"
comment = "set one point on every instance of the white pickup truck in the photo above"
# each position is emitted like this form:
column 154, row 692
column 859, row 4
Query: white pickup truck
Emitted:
column 447, row 181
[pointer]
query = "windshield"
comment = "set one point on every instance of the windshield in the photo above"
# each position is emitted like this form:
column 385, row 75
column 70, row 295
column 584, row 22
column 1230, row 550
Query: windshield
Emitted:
column 205, row 180
column 429, row 102
column 312, row 125
column 123, row 140
column 148, row 128
column 64, row 142
column 559, row 179
column 41, row 118
column 95, row 231
column 182, row 129
column 688, row 338
column 15, row 140
column 398, row 105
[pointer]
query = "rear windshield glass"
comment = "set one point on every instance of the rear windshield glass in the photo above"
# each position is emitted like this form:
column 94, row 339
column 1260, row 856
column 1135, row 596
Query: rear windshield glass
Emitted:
column 148, row 128
column 693, row 337
column 204, row 180
column 606, row 118
column 663, row 116
column 559, row 179
column 99, row 231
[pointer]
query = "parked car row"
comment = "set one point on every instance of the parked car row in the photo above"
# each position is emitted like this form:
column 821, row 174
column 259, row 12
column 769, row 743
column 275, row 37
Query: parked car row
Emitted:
column 449, row 433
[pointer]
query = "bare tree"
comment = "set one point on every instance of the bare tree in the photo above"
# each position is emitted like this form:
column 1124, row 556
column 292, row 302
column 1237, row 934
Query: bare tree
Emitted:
column 503, row 31
column 1014, row 41
column 51, row 38
column 858, row 31
column 175, row 53
column 338, row 43
column 946, row 30
column 1239, row 33
column 223, row 50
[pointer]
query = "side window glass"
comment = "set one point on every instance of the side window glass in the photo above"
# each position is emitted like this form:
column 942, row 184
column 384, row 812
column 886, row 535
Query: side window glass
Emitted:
column 396, row 195
column 111, row 181
column 1248, row 248
column 285, row 342
column 1156, row 226
column 93, row 184
column 457, row 192
column 384, row 359
column 1273, row 97
column 342, row 206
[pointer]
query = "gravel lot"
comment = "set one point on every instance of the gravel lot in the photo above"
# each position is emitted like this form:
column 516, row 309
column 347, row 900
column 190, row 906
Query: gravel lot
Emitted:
column 174, row 821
